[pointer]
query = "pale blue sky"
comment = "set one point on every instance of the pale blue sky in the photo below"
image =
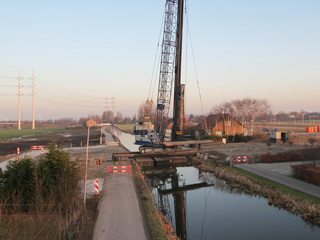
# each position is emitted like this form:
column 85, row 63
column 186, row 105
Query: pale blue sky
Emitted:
column 84, row 51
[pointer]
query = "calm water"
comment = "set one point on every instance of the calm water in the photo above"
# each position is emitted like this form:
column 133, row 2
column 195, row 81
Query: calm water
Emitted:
column 219, row 212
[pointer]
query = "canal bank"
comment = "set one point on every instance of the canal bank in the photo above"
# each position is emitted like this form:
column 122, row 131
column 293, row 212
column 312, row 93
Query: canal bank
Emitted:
column 291, row 182
column 306, row 206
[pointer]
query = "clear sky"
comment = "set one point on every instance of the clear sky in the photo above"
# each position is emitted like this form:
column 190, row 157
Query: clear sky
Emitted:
column 85, row 51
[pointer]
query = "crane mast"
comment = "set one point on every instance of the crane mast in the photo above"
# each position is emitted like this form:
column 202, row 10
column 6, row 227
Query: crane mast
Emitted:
column 170, row 71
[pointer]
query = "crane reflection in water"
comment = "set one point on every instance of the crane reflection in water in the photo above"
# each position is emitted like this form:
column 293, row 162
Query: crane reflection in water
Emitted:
column 168, row 182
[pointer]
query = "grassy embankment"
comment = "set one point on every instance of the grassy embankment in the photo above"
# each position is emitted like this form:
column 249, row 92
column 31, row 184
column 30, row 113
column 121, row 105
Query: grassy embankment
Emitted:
column 126, row 127
column 282, row 188
column 159, row 227
column 6, row 133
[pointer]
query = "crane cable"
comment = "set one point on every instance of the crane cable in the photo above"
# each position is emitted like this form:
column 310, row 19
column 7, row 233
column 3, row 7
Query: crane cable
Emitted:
column 206, row 198
column 153, row 77
column 194, row 65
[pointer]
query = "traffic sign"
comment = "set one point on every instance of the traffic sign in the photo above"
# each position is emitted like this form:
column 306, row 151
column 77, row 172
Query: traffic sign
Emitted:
column 91, row 123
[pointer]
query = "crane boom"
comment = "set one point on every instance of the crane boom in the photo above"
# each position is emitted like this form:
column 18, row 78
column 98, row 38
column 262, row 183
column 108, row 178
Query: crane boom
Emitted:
column 170, row 70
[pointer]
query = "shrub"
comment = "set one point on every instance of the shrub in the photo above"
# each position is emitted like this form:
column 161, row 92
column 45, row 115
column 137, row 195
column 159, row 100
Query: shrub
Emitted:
column 53, row 180
column 17, row 182
column 59, row 177
column 239, row 138
column 307, row 172
column 300, row 155
column 213, row 137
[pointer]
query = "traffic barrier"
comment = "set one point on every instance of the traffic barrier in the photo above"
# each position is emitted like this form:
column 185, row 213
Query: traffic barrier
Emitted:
column 109, row 144
column 238, row 159
column 96, row 186
column 119, row 171
column 98, row 161
column 38, row 147
column 117, row 167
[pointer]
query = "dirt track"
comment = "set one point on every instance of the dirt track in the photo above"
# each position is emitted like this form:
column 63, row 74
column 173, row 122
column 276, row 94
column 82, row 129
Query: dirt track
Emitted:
column 65, row 139
column 255, row 148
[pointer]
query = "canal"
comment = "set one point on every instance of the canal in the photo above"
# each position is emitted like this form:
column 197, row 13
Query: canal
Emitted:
column 201, row 206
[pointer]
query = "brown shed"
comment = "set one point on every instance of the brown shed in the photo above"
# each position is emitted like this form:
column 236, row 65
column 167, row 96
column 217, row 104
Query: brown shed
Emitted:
column 224, row 125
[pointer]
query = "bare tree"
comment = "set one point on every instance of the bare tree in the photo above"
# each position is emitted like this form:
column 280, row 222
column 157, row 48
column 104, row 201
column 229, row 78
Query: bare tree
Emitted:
column 146, row 111
column 204, row 125
column 240, row 109
column 257, row 108
column 127, row 120
column 107, row 116
column 118, row 118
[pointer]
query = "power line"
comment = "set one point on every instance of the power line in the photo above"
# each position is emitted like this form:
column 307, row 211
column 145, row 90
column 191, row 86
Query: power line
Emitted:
column 75, row 98
column 60, row 89
column 7, row 85
column 8, row 77
column 63, row 102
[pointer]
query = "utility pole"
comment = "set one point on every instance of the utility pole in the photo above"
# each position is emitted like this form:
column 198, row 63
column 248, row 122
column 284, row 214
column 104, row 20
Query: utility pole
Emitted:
column 19, row 101
column 104, row 116
column 33, row 119
column 112, row 106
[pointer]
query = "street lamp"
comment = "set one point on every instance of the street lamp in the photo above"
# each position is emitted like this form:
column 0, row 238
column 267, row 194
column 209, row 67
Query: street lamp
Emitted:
column 90, row 123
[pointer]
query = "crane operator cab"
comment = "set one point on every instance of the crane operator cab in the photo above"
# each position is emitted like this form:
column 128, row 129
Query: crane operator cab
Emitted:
column 145, row 135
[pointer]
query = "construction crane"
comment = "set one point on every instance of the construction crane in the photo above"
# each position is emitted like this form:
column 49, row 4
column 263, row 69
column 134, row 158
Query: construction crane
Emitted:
column 170, row 71
column 170, row 76
column 145, row 133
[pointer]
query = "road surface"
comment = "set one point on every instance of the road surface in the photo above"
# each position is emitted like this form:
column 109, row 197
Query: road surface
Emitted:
column 119, row 215
column 301, row 186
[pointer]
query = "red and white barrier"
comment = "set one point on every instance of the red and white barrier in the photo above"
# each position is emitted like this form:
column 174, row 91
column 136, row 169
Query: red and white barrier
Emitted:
column 238, row 159
column 119, row 171
column 120, row 167
column 96, row 186
column 39, row 147
column 18, row 153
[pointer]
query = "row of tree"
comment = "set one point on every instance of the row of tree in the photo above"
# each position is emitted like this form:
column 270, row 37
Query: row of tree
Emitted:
column 244, row 110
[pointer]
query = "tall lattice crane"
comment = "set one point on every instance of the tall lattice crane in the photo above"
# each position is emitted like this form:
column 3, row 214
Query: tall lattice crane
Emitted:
column 169, row 77
column 170, row 71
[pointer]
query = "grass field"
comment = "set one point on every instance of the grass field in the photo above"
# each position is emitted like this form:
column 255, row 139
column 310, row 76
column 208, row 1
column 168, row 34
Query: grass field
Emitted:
column 6, row 134
column 126, row 127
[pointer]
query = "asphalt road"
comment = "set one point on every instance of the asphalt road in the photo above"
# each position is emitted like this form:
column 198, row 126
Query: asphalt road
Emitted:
column 31, row 154
column 301, row 186
column 119, row 215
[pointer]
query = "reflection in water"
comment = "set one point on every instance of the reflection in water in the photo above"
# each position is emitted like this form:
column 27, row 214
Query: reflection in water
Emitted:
column 220, row 212
column 177, row 191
